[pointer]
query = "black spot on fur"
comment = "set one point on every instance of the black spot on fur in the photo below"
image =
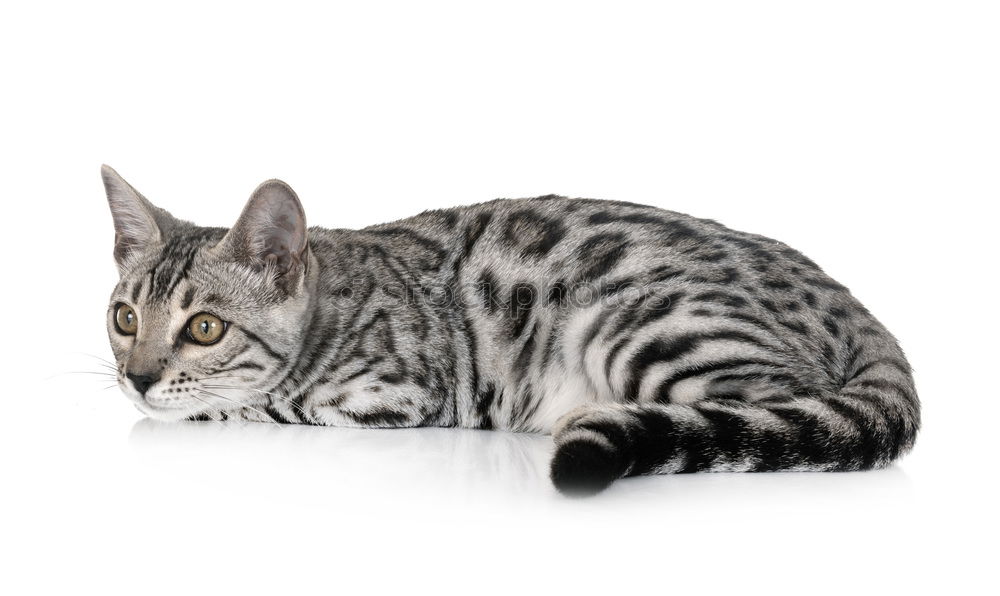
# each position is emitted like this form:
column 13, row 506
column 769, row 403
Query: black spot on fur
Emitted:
column 523, row 296
column 673, row 231
column 187, row 298
column 485, row 398
column 534, row 234
column 378, row 416
column 825, row 283
column 664, row 272
column 488, row 289
column 527, row 351
column 770, row 305
column 777, row 284
column 719, row 297
column 476, row 230
column 558, row 294
column 712, row 257
column 831, row 325
column 839, row 313
column 796, row 326
column 600, row 253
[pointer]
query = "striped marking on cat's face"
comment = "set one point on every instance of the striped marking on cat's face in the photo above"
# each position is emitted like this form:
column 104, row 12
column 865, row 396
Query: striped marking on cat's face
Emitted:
column 178, row 359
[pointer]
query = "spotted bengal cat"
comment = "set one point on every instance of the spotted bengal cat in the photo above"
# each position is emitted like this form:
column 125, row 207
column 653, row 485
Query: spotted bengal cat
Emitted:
column 645, row 341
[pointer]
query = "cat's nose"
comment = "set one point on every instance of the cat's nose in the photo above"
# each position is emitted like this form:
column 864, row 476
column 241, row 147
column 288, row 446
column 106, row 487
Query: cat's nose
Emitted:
column 142, row 382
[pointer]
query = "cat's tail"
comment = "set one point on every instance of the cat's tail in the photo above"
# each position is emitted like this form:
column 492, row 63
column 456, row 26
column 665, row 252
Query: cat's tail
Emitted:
column 868, row 423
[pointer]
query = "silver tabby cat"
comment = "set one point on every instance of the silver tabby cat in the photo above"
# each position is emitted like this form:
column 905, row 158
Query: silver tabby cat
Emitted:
column 645, row 341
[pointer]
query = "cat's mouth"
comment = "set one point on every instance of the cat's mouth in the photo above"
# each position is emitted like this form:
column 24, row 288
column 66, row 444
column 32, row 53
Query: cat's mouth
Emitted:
column 165, row 409
column 161, row 406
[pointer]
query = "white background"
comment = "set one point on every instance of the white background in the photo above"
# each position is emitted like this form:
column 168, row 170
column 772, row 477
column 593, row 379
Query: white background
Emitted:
column 863, row 133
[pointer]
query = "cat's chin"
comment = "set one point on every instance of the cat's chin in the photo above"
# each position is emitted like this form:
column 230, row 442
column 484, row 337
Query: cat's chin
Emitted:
column 166, row 414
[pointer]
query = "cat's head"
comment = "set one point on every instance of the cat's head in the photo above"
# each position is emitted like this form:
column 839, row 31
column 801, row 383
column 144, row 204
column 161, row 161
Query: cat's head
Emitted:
column 206, row 320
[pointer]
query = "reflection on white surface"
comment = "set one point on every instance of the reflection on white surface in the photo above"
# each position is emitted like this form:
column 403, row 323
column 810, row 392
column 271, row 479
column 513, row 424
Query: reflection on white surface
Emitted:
column 433, row 459
column 455, row 462
column 157, row 507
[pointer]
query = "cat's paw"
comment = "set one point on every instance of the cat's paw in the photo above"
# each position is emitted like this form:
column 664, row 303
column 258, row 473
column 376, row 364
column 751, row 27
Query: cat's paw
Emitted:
column 592, row 450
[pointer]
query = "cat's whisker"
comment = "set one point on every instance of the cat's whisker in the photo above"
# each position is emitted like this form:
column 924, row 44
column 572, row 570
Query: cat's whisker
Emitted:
column 290, row 402
column 241, row 404
column 104, row 375
column 96, row 357
column 235, row 387
column 211, row 407
column 240, row 388
column 103, row 363
column 268, row 393
column 101, row 358
column 242, row 377
column 278, row 397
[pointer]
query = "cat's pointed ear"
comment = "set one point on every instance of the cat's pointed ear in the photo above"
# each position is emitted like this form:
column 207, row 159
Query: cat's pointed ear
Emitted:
column 138, row 223
column 271, row 232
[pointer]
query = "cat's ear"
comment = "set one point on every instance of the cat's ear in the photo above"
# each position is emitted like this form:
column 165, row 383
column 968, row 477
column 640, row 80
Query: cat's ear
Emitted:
column 271, row 232
column 138, row 223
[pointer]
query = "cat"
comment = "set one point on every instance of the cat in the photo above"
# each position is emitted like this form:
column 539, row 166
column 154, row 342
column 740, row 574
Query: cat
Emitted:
column 645, row 341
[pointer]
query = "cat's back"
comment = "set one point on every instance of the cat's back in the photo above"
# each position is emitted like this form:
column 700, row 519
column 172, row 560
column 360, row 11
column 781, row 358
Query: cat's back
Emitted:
column 552, row 243
column 583, row 240
column 546, row 228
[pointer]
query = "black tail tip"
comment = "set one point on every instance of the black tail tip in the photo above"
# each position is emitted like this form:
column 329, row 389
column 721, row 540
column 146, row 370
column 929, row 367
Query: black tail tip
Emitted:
column 583, row 468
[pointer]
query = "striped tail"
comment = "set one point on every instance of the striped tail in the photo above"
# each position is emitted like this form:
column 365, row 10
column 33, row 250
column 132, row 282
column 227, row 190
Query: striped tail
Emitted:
column 869, row 423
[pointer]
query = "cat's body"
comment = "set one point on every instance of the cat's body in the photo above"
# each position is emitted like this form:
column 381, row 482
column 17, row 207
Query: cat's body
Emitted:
column 647, row 341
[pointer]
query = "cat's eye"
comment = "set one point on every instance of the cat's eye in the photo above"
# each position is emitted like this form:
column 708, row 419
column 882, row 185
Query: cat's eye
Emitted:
column 126, row 321
column 205, row 329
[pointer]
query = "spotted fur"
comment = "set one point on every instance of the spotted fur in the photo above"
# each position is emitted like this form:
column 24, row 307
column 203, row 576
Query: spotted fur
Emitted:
column 645, row 341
